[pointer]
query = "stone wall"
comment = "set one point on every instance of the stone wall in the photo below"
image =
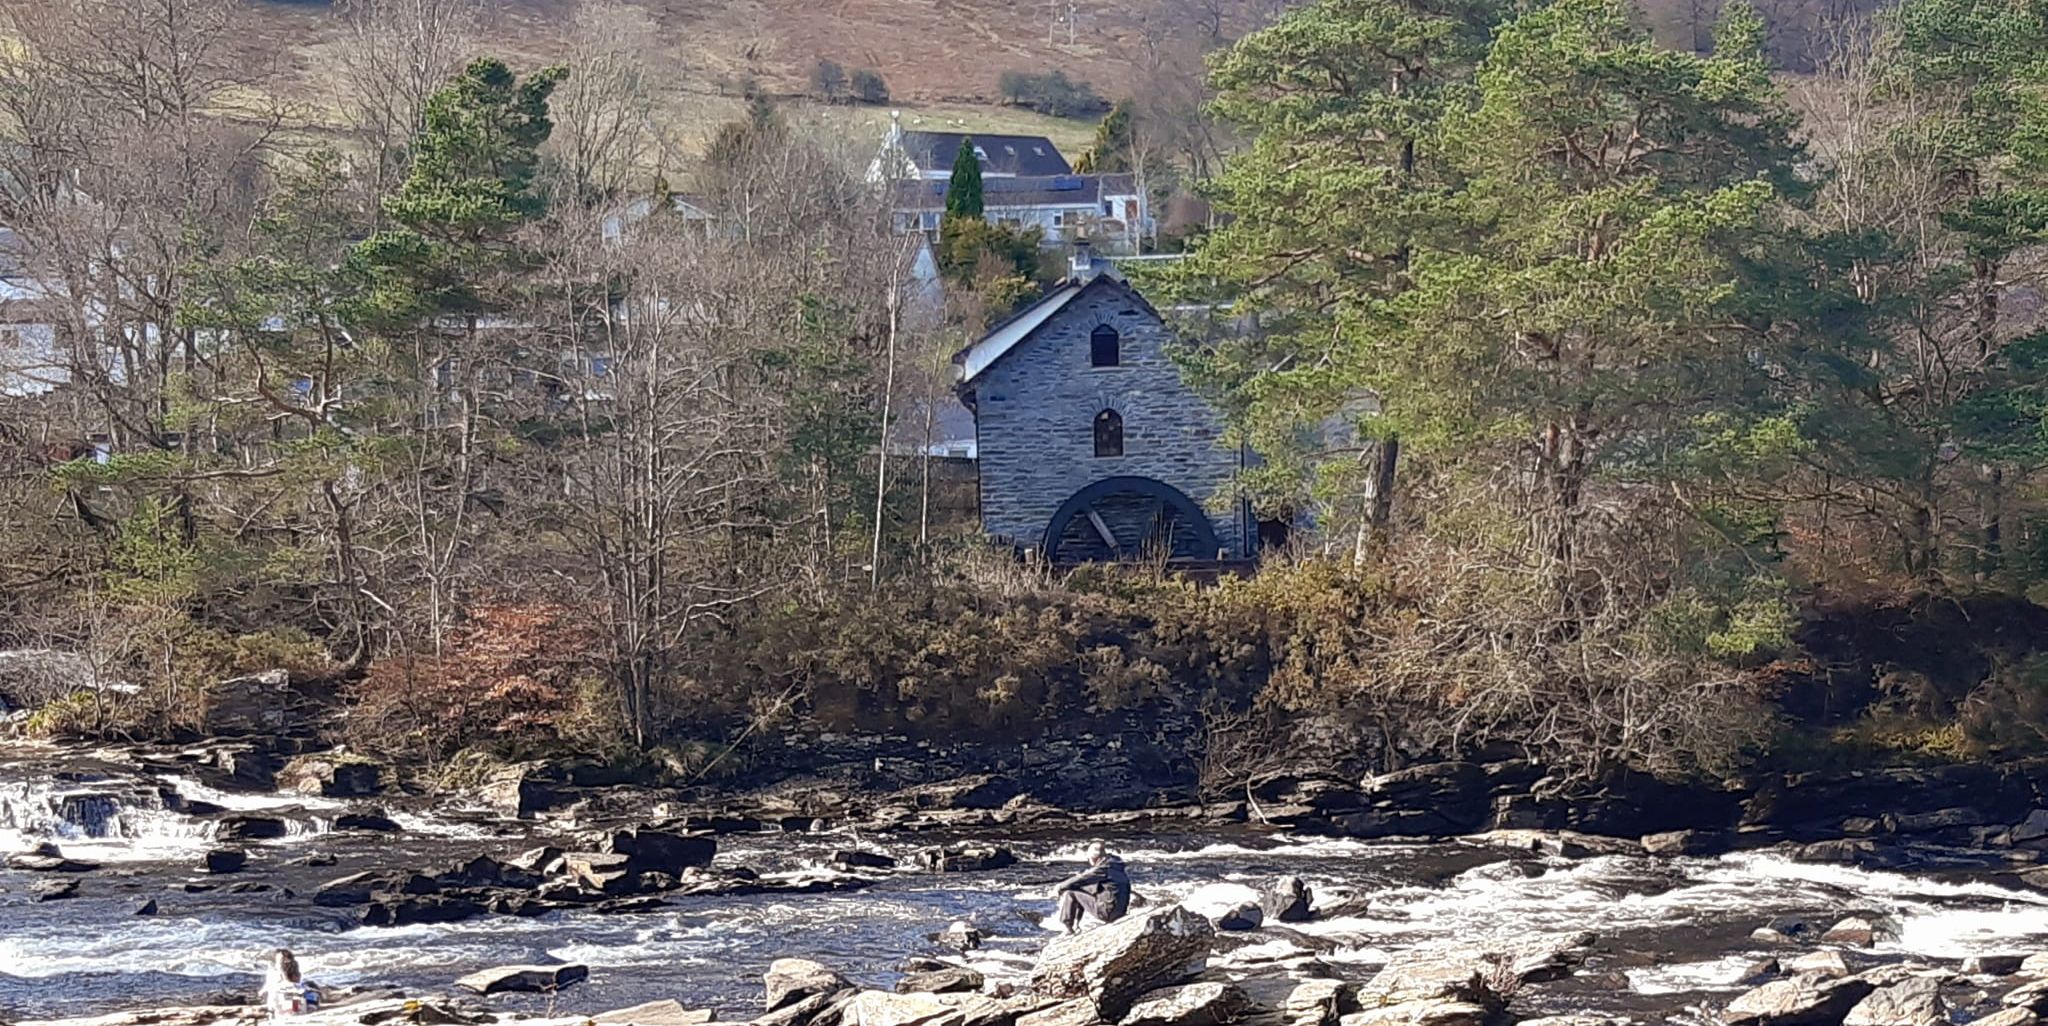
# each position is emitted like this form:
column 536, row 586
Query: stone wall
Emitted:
column 1035, row 419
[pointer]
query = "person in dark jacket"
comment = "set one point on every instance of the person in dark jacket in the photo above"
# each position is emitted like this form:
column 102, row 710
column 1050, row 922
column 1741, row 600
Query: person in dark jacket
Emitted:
column 1103, row 891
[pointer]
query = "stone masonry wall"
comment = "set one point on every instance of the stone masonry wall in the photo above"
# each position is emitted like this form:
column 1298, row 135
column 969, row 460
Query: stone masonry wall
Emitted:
column 1035, row 422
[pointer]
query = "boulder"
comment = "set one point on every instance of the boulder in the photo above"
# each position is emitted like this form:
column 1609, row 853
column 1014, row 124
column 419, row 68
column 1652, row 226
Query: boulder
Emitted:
column 224, row 860
column 536, row 860
column 666, row 1012
column 1246, row 916
column 54, row 890
column 1420, row 978
column 1855, row 930
column 1820, row 963
column 372, row 820
column 528, row 979
column 358, row 888
column 2033, row 828
column 147, row 908
column 244, row 827
column 1685, row 842
column 414, row 910
column 2035, row 965
column 1421, row 1013
column 966, row 858
column 1078, row 1012
column 1287, row 900
column 790, row 981
column 945, row 980
column 881, row 1008
column 598, row 871
column 331, row 775
column 1783, row 930
column 649, row 850
column 1195, row 1004
column 1577, row 1020
column 485, row 871
column 1993, row 965
column 861, row 860
column 1114, row 965
column 1911, row 1002
column 515, row 790
column 1758, row 971
column 1313, row 1003
column 1802, row 1001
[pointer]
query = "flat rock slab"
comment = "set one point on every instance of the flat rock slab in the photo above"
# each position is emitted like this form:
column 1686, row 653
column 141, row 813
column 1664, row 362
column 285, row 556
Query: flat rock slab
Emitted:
column 1421, row 1013
column 1798, row 1002
column 532, row 979
column 667, row 1012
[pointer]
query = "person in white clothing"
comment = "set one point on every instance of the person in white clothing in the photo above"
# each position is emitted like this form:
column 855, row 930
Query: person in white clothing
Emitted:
column 285, row 991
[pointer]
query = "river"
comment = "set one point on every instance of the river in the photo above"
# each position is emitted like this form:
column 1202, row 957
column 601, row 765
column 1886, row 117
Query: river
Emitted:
column 1675, row 932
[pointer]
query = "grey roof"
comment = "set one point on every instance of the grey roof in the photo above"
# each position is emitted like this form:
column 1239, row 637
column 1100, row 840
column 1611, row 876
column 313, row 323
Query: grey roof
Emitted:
column 1004, row 154
column 1064, row 190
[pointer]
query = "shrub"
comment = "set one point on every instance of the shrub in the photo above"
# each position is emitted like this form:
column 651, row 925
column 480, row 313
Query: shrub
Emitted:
column 868, row 86
column 828, row 80
column 1051, row 93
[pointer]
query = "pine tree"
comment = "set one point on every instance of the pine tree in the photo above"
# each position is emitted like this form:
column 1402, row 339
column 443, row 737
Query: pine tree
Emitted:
column 963, row 193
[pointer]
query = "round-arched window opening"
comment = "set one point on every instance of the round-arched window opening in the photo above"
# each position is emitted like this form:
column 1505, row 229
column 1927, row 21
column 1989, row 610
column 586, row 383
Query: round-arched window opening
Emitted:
column 1109, row 433
column 1105, row 347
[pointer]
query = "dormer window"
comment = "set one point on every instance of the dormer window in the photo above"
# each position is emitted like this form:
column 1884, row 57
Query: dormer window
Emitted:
column 1105, row 347
column 1109, row 433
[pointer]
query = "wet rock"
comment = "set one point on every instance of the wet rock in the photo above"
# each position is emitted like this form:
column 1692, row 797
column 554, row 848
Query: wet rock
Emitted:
column 1855, row 930
column 372, row 820
column 46, row 860
column 414, row 910
column 536, row 860
column 1685, row 842
column 1758, row 971
column 1993, row 965
column 527, row 979
column 959, row 936
column 1803, row 1001
column 1823, row 963
column 1114, row 965
column 331, row 775
column 1287, row 900
column 792, row 980
column 147, row 908
column 250, row 828
column 485, row 871
column 862, row 860
column 54, row 890
column 649, row 850
column 224, row 860
column 944, row 980
column 2032, row 996
column 1246, row 916
column 1195, row 1004
column 1937, row 821
column 966, row 858
column 2008, row 1017
column 666, row 1012
column 318, row 858
column 1911, row 1002
column 1421, row 1013
column 1783, row 930
column 358, row 888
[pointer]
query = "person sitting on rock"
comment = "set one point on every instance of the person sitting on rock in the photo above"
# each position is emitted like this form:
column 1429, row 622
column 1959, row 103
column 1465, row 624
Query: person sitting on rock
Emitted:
column 285, row 991
column 1102, row 891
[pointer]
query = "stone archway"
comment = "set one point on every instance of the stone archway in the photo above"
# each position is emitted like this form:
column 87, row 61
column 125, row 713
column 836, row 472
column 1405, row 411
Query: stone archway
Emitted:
column 1128, row 518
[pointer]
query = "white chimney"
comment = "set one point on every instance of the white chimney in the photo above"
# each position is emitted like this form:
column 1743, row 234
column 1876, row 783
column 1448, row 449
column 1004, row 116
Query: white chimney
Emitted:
column 1082, row 266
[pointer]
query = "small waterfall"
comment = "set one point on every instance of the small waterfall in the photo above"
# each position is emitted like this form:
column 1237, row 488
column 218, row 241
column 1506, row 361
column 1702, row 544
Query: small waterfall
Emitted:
column 107, row 817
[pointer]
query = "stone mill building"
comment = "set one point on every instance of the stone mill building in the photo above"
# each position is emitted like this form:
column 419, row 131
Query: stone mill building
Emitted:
column 1090, row 446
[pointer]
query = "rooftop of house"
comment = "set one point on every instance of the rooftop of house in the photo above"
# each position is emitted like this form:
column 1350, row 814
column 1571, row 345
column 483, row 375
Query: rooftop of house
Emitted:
column 1001, row 155
column 1062, row 190
column 1085, row 271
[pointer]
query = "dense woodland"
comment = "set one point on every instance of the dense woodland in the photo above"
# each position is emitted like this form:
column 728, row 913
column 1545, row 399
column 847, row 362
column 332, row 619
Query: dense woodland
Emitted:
column 1596, row 373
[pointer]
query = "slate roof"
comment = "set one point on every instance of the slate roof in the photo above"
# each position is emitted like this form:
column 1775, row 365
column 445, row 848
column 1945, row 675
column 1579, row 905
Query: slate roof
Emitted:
column 1005, row 154
column 1007, row 335
column 1034, row 191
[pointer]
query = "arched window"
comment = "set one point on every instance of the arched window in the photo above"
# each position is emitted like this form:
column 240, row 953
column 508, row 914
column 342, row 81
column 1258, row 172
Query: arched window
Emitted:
column 1104, row 347
column 1109, row 434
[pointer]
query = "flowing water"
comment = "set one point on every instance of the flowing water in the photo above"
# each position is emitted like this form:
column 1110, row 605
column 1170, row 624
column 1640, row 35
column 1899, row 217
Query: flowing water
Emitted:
column 1675, row 933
